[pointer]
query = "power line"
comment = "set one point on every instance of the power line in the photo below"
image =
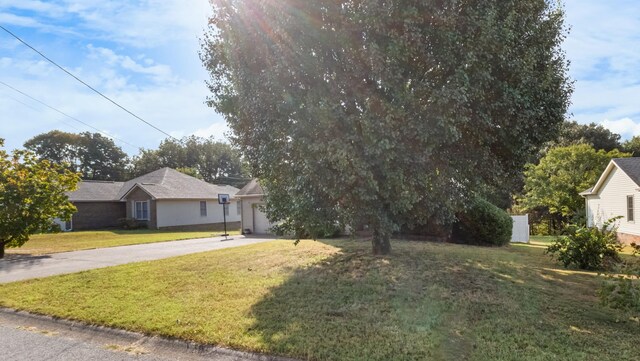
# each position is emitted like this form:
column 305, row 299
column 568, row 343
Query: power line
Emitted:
column 37, row 110
column 87, row 85
column 67, row 115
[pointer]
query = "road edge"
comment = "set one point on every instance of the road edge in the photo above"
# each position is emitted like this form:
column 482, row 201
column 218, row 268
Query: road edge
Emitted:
column 95, row 334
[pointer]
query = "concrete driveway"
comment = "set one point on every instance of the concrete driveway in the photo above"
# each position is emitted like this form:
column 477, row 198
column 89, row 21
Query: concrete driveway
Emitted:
column 21, row 267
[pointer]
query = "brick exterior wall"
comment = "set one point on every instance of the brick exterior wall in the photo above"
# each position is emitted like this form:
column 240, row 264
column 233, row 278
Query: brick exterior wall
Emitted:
column 139, row 196
column 215, row 227
column 626, row 238
column 97, row 215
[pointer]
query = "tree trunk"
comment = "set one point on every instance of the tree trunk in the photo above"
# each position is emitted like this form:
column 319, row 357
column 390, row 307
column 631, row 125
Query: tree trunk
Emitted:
column 381, row 242
column 1, row 250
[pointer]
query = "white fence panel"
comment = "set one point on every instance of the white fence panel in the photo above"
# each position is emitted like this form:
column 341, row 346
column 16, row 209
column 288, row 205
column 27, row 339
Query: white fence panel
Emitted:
column 520, row 229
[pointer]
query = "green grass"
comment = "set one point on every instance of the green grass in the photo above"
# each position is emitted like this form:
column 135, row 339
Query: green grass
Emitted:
column 75, row 241
column 335, row 301
column 545, row 241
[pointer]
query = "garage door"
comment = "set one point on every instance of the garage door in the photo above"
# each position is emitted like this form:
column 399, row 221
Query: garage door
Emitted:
column 260, row 222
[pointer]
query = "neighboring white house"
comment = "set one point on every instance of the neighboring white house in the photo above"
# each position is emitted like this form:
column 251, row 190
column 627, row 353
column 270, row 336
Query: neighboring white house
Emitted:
column 616, row 193
column 253, row 219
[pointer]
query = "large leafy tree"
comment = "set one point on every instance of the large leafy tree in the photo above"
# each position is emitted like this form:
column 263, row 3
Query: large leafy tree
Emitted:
column 93, row 155
column 385, row 113
column 205, row 158
column 593, row 134
column 57, row 147
column 632, row 146
column 556, row 181
column 101, row 159
column 32, row 194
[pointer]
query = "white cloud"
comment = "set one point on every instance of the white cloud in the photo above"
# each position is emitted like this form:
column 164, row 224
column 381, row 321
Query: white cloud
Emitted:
column 625, row 127
column 36, row 68
column 217, row 129
column 141, row 23
column 32, row 5
column 160, row 73
column 11, row 19
column 602, row 48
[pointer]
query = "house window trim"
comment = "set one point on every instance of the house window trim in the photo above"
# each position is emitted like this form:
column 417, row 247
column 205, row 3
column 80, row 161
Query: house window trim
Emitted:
column 135, row 211
column 203, row 214
column 239, row 208
column 631, row 210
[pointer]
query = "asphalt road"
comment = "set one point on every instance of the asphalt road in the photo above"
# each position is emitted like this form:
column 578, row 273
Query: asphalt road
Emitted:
column 21, row 267
column 27, row 337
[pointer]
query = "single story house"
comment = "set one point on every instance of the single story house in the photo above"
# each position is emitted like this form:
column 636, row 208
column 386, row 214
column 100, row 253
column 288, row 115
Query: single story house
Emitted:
column 163, row 199
column 253, row 219
column 616, row 194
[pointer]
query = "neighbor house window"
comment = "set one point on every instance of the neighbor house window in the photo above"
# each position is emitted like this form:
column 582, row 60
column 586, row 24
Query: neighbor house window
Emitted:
column 629, row 208
column 238, row 208
column 203, row 208
column 226, row 209
column 142, row 210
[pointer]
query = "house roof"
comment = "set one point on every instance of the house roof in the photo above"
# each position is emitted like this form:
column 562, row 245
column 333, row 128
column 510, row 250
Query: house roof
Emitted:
column 629, row 166
column 165, row 183
column 253, row 188
column 96, row 191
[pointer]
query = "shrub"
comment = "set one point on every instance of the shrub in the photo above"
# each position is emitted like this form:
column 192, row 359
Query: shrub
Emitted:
column 130, row 223
column 318, row 231
column 589, row 248
column 483, row 223
column 622, row 290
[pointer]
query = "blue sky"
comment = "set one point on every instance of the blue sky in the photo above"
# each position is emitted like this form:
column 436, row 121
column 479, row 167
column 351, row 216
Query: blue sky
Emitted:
column 144, row 55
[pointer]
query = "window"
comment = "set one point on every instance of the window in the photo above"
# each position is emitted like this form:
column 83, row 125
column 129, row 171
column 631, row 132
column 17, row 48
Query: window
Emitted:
column 141, row 210
column 203, row 208
column 629, row 208
column 239, row 207
column 226, row 209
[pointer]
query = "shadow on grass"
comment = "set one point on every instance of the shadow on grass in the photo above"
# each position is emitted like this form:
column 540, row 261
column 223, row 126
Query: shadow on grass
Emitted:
column 439, row 302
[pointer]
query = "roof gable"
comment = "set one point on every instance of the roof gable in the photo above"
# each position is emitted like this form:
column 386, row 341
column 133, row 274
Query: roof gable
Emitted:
column 253, row 188
column 167, row 183
column 629, row 166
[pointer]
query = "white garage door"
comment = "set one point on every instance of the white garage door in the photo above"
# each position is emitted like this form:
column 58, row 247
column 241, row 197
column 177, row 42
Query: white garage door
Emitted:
column 260, row 222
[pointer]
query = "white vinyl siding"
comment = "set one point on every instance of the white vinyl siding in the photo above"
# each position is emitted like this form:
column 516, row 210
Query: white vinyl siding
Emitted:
column 611, row 201
column 252, row 217
column 187, row 212
column 226, row 209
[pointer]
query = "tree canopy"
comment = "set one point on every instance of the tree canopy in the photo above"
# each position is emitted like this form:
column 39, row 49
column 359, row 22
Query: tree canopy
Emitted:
column 32, row 194
column 564, row 172
column 93, row 155
column 388, row 114
column 593, row 134
column 632, row 146
column 203, row 158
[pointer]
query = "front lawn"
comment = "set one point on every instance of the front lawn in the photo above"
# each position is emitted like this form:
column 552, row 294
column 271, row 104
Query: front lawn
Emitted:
column 79, row 240
column 335, row 301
